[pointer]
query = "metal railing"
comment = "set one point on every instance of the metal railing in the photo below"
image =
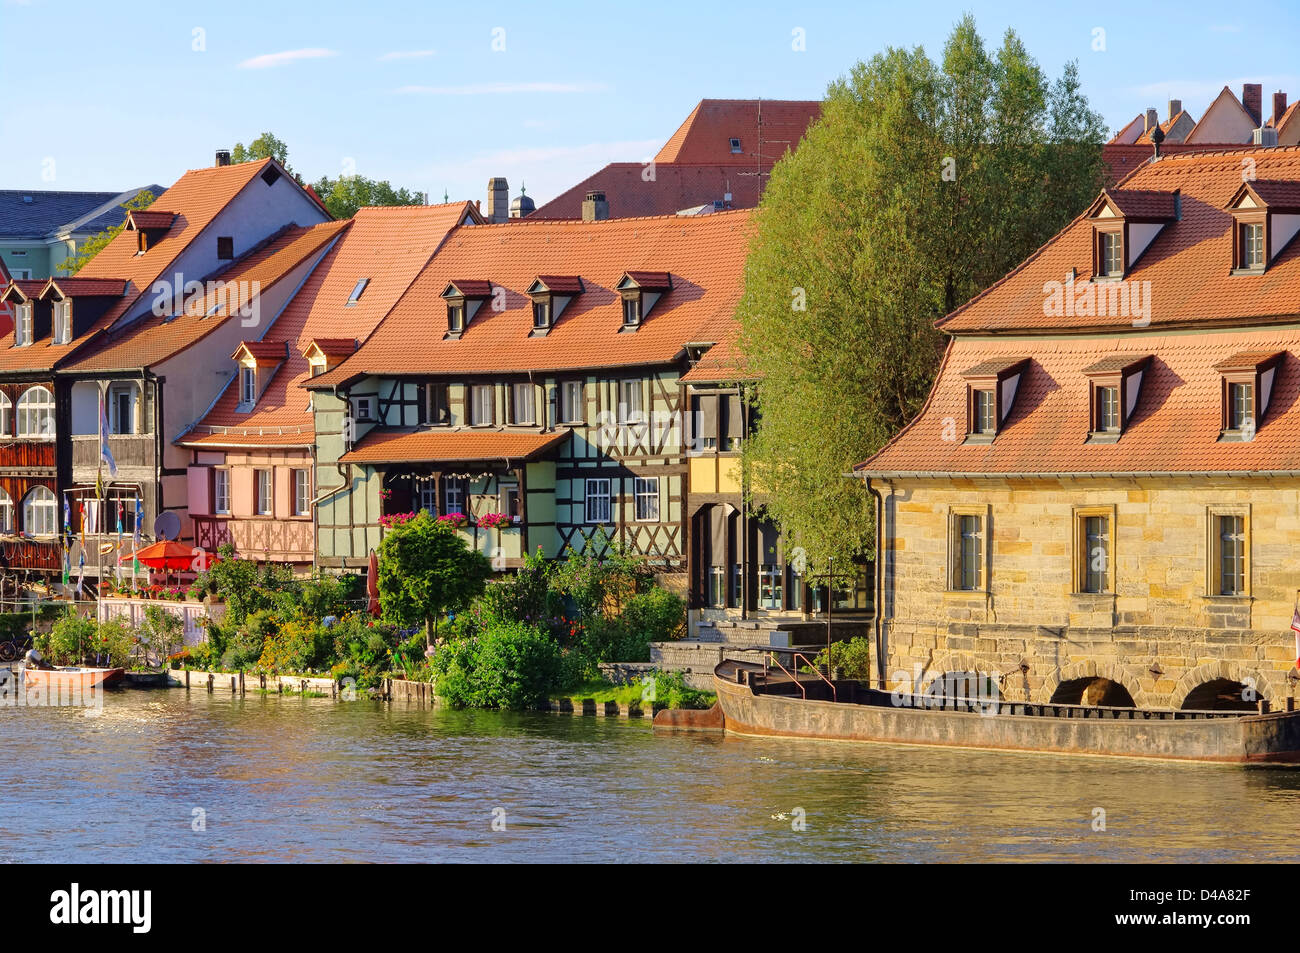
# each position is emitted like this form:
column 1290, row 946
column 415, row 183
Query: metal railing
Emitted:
column 794, row 661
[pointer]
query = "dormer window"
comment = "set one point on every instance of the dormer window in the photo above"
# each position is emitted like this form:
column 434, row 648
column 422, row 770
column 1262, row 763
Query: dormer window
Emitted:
column 464, row 298
column 149, row 227
column 1266, row 216
column 641, row 291
column 990, row 393
column 1252, row 246
column 357, row 291
column 257, row 363
column 551, row 294
column 1246, row 386
column 247, row 385
column 1113, row 386
column 1124, row 224
column 63, row 322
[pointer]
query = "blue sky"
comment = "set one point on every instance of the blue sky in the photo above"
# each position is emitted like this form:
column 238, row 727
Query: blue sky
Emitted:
column 108, row 95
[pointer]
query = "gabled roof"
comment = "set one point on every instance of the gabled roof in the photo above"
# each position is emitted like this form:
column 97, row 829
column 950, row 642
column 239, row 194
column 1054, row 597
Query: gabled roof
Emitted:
column 468, row 288
column 143, row 219
column 152, row 339
column 1166, row 127
column 704, row 255
column 704, row 138
column 1276, row 195
column 1226, row 100
column 387, row 245
column 262, row 352
column 451, row 446
column 558, row 284
column 1187, row 265
column 84, row 288
column 1137, row 203
column 24, row 289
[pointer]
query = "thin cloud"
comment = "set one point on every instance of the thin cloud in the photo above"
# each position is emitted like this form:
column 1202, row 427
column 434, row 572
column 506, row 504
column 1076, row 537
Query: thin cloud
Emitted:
column 267, row 60
column 496, row 89
column 406, row 55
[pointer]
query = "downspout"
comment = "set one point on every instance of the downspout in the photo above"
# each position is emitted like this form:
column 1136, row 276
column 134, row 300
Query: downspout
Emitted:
column 878, row 614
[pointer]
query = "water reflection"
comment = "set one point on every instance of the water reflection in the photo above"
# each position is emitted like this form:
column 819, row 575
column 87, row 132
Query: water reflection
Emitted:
column 290, row 779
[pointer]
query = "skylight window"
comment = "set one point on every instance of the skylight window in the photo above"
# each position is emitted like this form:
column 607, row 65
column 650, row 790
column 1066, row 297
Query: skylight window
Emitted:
column 735, row 146
column 358, row 291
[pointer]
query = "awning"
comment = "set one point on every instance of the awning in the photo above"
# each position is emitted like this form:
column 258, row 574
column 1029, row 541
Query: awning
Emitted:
column 454, row 446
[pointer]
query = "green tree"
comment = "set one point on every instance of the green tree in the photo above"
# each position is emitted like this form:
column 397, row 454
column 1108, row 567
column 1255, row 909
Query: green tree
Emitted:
column 96, row 243
column 265, row 146
column 344, row 195
column 921, row 184
column 425, row 570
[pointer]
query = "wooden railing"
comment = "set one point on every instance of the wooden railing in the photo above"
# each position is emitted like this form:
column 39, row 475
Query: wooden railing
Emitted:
column 31, row 554
column 263, row 538
column 28, row 454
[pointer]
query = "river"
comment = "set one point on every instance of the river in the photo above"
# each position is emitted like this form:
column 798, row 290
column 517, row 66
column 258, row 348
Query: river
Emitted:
column 300, row 779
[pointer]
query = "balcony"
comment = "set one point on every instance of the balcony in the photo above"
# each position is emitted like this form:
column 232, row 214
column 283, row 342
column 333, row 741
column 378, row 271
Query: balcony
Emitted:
column 270, row 540
column 17, row 552
column 136, row 450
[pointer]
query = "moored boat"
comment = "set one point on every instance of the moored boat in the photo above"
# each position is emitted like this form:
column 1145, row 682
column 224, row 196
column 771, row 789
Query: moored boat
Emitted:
column 70, row 678
column 753, row 702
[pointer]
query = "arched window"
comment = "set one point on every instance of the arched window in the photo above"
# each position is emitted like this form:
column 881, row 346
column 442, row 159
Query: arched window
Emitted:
column 40, row 511
column 6, row 424
column 6, row 512
column 36, row 414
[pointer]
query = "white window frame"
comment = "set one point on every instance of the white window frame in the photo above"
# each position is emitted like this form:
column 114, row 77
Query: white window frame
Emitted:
column 631, row 412
column 597, row 502
column 454, row 492
column 35, row 417
column 475, row 392
column 645, row 491
column 301, row 492
column 40, row 512
column 572, row 409
column 426, row 493
column 6, row 415
column 62, row 317
column 133, row 423
column 263, row 480
column 364, row 409
column 23, row 325
column 221, row 492
column 6, row 512
column 528, row 404
column 247, row 385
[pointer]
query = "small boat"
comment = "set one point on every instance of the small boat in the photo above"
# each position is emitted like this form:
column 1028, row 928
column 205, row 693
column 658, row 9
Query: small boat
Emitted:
column 753, row 700
column 70, row 678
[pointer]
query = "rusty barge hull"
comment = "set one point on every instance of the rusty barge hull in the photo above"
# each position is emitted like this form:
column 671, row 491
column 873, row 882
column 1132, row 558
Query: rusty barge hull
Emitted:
column 1232, row 739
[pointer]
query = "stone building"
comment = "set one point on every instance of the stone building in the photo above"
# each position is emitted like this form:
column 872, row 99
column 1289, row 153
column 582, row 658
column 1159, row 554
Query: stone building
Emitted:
column 1100, row 500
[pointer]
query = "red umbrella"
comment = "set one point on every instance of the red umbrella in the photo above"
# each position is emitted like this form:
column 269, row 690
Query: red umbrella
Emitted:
column 372, row 585
column 165, row 554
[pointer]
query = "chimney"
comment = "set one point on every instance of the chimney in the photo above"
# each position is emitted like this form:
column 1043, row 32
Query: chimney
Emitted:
column 498, row 209
column 1279, row 106
column 223, row 157
column 594, row 207
column 1153, row 119
column 1252, row 97
column 1175, row 107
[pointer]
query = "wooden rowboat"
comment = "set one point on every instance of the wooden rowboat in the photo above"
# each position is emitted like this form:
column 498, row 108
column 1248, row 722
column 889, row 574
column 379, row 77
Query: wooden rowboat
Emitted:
column 70, row 678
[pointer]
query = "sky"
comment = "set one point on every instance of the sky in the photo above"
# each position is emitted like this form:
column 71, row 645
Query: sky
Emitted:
column 441, row 97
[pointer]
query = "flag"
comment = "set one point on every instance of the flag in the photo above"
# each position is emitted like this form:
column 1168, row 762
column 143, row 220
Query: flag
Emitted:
column 139, row 518
column 81, row 571
column 67, row 560
column 82, row 507
column 105, row 455
column 1295, row 625
column 67, row 516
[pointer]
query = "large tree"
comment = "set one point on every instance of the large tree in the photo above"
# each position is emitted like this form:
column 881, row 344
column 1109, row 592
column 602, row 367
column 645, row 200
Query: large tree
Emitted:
column 921, row 184
column 425, row 570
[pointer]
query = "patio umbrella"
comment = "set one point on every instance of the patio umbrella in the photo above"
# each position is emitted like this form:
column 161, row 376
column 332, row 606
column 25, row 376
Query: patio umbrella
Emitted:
column 165, row 554
column 372, row 585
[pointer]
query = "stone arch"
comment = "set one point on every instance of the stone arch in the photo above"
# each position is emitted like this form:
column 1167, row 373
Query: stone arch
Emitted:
column 943, row 662
column 1221, row 670
column 1094, row 669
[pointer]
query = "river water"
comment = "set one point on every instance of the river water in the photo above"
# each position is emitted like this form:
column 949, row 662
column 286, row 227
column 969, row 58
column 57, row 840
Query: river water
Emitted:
column 301, row 779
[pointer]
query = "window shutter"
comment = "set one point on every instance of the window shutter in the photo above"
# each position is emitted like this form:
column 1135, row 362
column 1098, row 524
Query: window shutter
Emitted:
column 735, row 419
column 718, row 536
column 708, row 416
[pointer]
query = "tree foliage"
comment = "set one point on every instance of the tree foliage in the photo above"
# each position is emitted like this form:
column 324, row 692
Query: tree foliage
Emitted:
column 921, row 184
column 344, row 195
column 96, row 243
column 265, row 146
column 425, row 570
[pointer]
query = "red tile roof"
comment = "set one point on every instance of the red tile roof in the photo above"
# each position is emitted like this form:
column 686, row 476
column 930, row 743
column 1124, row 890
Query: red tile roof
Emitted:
column 86, row 287
column 456, row 446
column 331, row 347
column 1276, row 195
column 264, row 352
column 705, row 256
column 25, row 289
column 1165, row 126
column 148, row 219
column 196, row 198
column 572, row 284
column 1143, row 203
column 723, row 362
column 147, row 341
column 696, row 166
column 1187, row 264
column 1121, row 159
column 387, row 245
column 1174, row 427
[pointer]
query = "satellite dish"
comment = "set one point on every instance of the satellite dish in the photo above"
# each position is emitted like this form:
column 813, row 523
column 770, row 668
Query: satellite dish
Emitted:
column 167, row 525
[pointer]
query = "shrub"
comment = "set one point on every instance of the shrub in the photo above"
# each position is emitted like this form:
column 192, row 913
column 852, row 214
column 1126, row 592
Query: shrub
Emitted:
column 852, row 658
column 656, row 614
column 672, row 691
column 507, row 665
column 73, row 640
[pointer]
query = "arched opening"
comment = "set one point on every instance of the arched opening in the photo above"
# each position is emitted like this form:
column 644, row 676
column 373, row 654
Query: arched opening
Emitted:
column 40, row 512
column 36, row 414
column 6, row 512
column 1093, row 691
column 1222, row 694
column 961, row 687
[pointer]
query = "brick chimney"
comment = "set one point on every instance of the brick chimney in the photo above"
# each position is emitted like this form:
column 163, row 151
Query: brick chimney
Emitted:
column 1153, row 119
column 223, row 157
column 1252, row 97
column 594, row 207
column 498, row 207
column 1175, row 107
column 1279, row 106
